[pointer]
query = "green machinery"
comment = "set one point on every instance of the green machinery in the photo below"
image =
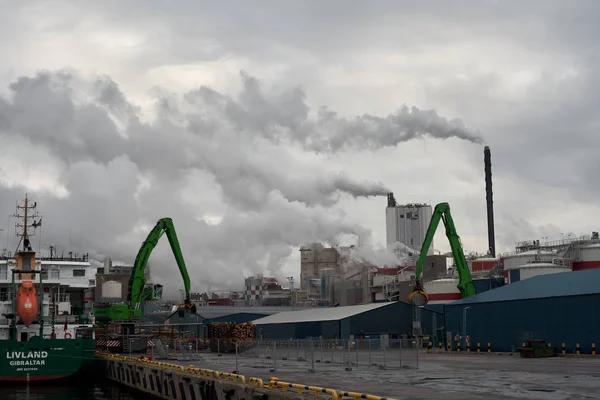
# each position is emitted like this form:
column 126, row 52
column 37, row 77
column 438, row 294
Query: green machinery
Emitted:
column 465, row 285
column 138, row 290
column 537, row 348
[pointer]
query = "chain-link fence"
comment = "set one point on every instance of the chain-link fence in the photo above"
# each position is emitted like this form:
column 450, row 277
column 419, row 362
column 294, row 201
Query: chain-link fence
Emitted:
column 318, row 353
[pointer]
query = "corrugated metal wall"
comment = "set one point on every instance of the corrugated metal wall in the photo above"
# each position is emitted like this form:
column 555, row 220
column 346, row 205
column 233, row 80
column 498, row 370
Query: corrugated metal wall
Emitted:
column 330, row 329
column 506, row 324
column 300, row 330
column 396, row 318
column 276, row 331
column 483, row 285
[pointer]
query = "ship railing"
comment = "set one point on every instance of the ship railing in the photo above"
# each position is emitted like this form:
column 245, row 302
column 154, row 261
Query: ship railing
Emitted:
column 72, row 319
column 62, row 298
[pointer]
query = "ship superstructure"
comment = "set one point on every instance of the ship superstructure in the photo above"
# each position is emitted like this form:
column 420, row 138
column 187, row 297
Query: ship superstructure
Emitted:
column 46, row 327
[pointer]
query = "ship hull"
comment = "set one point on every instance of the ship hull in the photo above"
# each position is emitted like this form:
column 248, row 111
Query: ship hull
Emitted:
column 44, row 360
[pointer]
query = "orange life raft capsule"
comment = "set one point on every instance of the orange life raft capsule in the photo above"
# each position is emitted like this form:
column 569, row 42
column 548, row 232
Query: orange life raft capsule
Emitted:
column 27, row 302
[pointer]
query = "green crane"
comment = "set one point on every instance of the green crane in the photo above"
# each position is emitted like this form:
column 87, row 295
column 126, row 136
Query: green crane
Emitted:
column 138, row 291
column 465, row 281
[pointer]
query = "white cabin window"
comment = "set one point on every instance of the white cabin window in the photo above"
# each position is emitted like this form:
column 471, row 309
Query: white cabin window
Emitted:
column 78, row 272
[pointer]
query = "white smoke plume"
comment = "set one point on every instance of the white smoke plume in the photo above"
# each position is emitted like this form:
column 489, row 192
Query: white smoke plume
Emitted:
column 286, row 115
column 240, row 197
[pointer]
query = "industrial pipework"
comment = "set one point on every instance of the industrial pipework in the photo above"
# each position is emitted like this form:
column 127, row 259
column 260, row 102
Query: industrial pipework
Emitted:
column 487, row 160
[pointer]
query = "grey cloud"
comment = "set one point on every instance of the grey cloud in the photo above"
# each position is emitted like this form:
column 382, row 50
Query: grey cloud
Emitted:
column 339, row 28
column 549, row 136
column 211, row 131
column 276, row 202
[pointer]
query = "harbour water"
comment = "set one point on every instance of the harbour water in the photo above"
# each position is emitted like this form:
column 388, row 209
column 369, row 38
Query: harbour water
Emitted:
column 100, row 390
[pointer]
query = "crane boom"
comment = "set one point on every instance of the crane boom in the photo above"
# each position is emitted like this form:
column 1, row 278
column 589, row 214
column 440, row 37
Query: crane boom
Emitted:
column 138, row 291
column 138, row 279
column 465, row 281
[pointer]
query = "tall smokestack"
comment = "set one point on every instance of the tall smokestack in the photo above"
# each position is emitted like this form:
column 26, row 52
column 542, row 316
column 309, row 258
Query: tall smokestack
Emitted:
column 487, row 160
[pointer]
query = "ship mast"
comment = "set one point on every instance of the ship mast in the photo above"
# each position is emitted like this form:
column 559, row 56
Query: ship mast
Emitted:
column 25, row 213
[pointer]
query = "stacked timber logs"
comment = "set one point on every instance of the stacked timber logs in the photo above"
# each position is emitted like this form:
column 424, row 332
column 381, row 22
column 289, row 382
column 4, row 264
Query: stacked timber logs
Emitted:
column 224, row 335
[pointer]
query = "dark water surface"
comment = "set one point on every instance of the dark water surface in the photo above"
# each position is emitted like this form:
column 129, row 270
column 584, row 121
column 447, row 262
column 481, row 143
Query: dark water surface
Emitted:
column 101, row 390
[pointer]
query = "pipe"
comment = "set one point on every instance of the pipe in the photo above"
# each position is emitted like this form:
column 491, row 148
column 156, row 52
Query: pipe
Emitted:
column 487, row 160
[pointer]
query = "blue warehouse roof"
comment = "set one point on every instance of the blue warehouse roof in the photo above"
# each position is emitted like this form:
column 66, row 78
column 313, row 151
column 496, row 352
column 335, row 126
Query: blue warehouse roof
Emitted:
column 552, row 285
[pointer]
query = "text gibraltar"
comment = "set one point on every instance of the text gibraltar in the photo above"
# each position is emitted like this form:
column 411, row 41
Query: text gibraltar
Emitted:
column 26, row 359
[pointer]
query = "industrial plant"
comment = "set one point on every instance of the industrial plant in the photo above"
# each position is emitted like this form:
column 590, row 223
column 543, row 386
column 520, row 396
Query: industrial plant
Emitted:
column 340, row 297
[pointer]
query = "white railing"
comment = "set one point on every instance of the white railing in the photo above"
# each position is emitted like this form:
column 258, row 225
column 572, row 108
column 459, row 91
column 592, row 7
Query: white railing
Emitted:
column 62, row 298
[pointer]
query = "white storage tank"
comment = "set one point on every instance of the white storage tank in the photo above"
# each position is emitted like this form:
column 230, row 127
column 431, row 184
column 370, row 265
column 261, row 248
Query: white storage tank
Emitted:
column 442, row 291
column 532, row 269
column 516, row 260
column 111, row 291
column 589, row 257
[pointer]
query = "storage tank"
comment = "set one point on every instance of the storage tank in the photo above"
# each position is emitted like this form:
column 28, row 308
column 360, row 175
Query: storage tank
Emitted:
column 516, row 260
column 254, row 286
column 111, row 291
column 483, row 264
column 442, row 291
column 532, row 269
column 589, row 256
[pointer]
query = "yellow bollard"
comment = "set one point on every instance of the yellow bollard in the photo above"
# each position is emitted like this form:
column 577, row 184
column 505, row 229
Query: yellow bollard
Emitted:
column 578, row 350
column 593, row 349
column 441, row 344
column 489, row 347
column 458, row 347
column 478, row 347
column 564, row 349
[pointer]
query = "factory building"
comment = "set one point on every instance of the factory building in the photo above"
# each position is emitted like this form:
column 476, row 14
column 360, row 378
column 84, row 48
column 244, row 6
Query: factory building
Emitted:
column 390, row 319
column 265, row 291
column 318, row 265
column 406, row 225
column 558, row 308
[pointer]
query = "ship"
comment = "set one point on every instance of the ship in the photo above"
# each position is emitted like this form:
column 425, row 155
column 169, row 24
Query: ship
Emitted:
column 45, row 333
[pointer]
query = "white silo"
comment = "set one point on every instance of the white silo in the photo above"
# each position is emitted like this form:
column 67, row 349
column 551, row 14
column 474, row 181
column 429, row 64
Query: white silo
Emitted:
column 111, row 292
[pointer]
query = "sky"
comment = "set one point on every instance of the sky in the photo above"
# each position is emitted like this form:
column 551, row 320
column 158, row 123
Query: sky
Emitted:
column 262, row 126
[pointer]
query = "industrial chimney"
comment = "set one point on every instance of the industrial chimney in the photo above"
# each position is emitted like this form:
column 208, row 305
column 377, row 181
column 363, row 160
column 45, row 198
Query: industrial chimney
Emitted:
column 487, row 160
column 391, row 200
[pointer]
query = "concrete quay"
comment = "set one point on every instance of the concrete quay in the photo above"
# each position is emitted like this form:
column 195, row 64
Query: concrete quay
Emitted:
column 447, row 376
column 174, row 381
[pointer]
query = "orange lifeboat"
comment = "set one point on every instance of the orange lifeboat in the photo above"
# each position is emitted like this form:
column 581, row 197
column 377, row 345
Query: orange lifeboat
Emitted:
column 27, row 302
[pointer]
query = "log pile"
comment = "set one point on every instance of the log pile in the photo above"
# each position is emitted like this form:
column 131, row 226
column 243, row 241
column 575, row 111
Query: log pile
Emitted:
column 224, row 335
